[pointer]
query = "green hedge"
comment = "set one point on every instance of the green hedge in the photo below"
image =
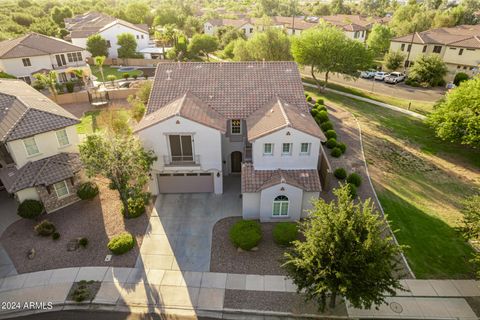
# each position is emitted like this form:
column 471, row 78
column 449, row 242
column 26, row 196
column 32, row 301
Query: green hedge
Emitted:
column 331, row 143
column 284, row 233
column 87, row 190
column 327, row 125
column 336, row 152
column 30, row 209
column 121, row 243
column 331, row 134
column 321, row 116
column 342, row 146
column 245, row 234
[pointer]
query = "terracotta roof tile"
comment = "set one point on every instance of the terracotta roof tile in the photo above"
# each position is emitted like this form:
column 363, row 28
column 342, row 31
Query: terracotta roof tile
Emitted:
column 460, row 36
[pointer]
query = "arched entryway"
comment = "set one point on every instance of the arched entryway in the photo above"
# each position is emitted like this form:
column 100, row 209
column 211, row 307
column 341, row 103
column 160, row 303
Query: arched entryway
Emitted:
column 236, row 161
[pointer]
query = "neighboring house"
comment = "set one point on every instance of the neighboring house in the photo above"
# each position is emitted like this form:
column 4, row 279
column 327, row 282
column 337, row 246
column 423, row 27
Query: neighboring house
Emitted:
column 354, row 26
column 90, row 23
column 34, row 53
column 38, row 147
column 246, row 25
column 205, row 121
column 459, row 47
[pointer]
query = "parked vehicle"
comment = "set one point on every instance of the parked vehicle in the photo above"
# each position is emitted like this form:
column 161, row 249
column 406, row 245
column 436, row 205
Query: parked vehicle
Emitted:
column 380, row 75
column 368, row 74
column 394, row 77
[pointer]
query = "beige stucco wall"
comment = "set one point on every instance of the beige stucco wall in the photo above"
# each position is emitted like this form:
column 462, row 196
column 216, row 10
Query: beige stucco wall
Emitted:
column 295, row 197
column 26, row 194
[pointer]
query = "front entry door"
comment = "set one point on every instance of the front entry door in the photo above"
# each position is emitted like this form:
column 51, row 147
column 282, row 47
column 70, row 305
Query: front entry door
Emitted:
column 236, row 159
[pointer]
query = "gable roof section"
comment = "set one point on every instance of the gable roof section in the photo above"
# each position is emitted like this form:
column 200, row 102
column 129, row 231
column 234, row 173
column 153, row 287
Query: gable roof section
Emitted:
column 460, row 36
column 41, row 172
column 34, row 44
column 188, row 107
column 233, row 89
column 277, row 115
column 25, row 112
column 258, row 180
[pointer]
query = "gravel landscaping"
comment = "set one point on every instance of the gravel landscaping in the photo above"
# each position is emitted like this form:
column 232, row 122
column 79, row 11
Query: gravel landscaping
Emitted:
column 97, row 220
column 226, row 258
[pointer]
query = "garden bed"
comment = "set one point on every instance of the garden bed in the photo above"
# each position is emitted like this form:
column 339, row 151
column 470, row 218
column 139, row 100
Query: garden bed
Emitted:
column 226, row 258
column 97, row 220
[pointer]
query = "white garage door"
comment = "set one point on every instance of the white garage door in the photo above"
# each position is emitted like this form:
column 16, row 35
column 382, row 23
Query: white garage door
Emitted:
column 185, row 183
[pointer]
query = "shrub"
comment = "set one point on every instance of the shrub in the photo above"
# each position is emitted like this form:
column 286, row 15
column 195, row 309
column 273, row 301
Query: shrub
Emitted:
column 83, row 242
column 55, row 236
column 326, row 126
column 342, row 146
column 45, row 228
column 355, row 179
column 38, row 85
column 336, row 152
column 340, row 173
column 331, row 134
column 331, row 143
column 352, row 189
column 314, row 112
column 111, row 78
column 459, row 77
column 87, row 190
column 321, row 108
column 321, row 117
column 30, row 209
column 319, row 102
column 245, row 234
column 135, row 76
column 309, row 99
column 136, row 206
column 70, row 86
column 60, row 87
column 412, row 82
column 126, row 75
column 284, row 233
column 121, row 243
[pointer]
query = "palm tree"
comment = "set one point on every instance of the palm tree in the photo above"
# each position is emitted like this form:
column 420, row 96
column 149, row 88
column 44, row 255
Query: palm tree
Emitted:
column 80, row 74
column 99, row 60
column 49, row 80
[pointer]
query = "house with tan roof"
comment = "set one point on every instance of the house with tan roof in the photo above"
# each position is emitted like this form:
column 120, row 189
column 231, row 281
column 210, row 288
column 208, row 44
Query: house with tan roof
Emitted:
column 246, row 25
column 354, row 26
column 34, row 53
column 208, row 122
column 459, row 47
column 84, row 25
column 38, row 147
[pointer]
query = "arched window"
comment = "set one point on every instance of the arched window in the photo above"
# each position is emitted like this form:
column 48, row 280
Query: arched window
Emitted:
column 280, row 206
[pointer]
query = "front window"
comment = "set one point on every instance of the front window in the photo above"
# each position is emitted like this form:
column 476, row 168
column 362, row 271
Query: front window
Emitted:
column 26, row 62
column 437, row 49
column 305, row 148
column 181, row 148
column 287, row 149
column 62, row 138
column 403, row 46
column 31, row 146
column 236, row 127
column 460, row 52
column 268, row 149
column 409, row 48
column 280, row 206
column 61, row 189
column 424, row 49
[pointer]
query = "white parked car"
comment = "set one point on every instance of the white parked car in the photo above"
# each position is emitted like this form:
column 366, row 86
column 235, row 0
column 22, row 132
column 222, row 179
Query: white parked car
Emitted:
column 380, row 75
column 395, row 77
column 368, row 74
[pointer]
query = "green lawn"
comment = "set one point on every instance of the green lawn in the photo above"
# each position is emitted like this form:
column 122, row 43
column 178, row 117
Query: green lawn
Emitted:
column 92, row 120
column 421, row 181
column 107, row 70
column 422, row 107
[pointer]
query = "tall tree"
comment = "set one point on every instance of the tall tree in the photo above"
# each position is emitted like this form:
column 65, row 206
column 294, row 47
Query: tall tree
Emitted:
column 271, row 45
column 379, row 39
column 393, row 60
column 457, row 118
column 45, row 26
column 428, row 69
column 374, row 7
column 97, row 45
column 59, row 14
column 411, row 17
column 128, row 46
column 339, row 7
column 137, row 12
column 347, row 251
column 326, row 49
column 48, row 80
column 203, row 44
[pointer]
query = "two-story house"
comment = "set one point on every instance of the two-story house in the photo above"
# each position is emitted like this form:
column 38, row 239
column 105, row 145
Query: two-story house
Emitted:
column 459, row 47
column 84, row 25
column 33, row 53
column 205, row 121
column 246, row 25
column 38, row 147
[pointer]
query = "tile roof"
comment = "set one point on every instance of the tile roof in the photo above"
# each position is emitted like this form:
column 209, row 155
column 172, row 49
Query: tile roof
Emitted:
column 189, row 107
column 25, row 112
column 353, row 22
column 257, row 180
column 237, row 23
column 41, row 172
column 277, row 115
column 233, row 89
column 460, row 36
column 34, row 44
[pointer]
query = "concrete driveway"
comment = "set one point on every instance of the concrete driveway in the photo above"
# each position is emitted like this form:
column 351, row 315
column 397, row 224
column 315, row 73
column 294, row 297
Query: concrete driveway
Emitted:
column 180, row 232
column 8, row 215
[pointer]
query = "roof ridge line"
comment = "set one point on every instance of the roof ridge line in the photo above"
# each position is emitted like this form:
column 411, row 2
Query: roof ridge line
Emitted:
column 40, row 170
column 18, row 120
column 287, row 120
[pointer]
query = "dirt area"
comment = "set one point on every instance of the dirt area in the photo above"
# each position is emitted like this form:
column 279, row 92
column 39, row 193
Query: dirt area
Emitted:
column 79, row 109
column 97, row 220
column 226, row 258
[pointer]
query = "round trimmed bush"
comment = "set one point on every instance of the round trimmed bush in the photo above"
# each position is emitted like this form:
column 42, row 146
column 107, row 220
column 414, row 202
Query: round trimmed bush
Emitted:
column 314, row 112
column 321, row 108
column 111, row 78
column 121, row 243
column 342, row 146
column 55, row 236
column 30, row 209
column 340, row 173
column 331, row 143
column 336, row 152
column 355, row 179
column 245, row 234
column 136, row 207
column 45, row 228
column 352, row 190
column 320, row 101
column 284, row 233
column 83, row 242
column 459, row 77
column 126, row 75
column 321, row 117
column 331, row 134
column 87, row 190
column 308, row 98
column 326, row 126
